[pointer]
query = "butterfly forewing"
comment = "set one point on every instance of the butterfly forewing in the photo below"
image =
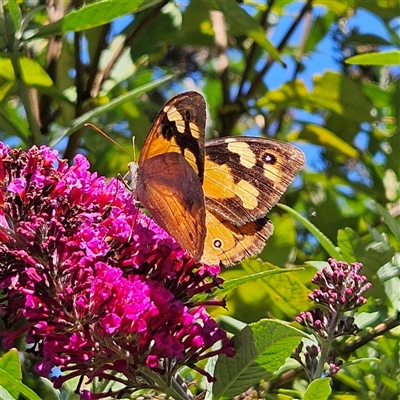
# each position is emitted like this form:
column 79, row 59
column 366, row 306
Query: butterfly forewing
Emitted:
column 246, row 176
column 169, row 175
column 179, row 127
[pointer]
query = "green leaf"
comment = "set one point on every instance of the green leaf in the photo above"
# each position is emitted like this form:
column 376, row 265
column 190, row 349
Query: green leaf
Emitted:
column 237, row 282
column 343, row 96
column 94, row 14
column 33, row 73
column 243, row 22
column 230, row 324
column 10, row 364
column 5, row 395
column 351, row 246
column 165, row 27
column 323, row 240
column 292, row 94
column 373, row 256
column 5, row 87
column 319, row 389
column 86, row 117
column 11, row 375
column 279, row 248
column 365, row 39
column 324, row 137
column 15, row 13
column 320, row 27
column 376, row 58
column 393, row 225
column 13, row 123
column 339, row 7
column 261, row 348
column 285, row 292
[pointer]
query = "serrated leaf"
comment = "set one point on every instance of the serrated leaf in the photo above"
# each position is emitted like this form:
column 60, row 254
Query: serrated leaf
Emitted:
column 261, row 348
column 376, row 58
column 32, row 72
column 319, row 389
column 92, row 15
column 323, row 240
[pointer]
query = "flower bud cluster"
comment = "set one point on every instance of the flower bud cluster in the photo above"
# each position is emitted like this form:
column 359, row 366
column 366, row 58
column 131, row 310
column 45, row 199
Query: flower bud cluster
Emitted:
column 340, row 290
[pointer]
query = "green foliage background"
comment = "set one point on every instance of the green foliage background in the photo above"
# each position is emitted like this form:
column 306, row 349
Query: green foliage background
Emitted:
column 70, row 62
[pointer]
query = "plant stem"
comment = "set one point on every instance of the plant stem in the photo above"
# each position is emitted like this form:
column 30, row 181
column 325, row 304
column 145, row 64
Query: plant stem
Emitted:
column 326, row 345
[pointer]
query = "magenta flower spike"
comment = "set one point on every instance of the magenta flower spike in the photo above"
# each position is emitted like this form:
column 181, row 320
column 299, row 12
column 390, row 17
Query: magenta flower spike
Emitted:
column 97, row 287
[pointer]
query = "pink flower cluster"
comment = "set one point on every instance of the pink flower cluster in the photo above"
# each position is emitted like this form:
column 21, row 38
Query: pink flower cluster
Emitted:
column 96, row 285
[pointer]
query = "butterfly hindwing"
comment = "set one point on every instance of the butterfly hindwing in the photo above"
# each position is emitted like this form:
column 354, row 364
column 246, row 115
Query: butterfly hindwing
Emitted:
column 227, row 244
column 244, row 178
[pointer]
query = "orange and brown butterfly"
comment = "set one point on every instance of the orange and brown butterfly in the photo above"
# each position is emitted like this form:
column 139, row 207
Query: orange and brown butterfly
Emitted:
column 211, row 197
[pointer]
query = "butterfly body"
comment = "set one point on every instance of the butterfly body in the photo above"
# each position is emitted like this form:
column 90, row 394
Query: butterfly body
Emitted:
column 211, row 197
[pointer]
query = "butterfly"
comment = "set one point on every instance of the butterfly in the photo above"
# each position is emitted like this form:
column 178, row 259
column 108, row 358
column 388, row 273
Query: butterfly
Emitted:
column 211, row 197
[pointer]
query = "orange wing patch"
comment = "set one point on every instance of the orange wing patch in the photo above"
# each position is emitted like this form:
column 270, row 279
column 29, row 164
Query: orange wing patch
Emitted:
column 228, row 244
column 168, row 178
column 170, row 189
column 179, row 128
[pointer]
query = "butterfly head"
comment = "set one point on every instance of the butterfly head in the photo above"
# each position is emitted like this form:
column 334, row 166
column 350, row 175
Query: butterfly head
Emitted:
column 131, row 176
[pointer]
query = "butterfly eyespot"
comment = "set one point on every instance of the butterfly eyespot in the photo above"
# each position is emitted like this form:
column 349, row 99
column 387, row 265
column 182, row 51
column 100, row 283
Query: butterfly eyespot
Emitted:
column 217, row 243
column 270, row 158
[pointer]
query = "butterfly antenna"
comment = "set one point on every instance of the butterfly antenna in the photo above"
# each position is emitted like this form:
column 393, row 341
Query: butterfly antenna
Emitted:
column 97, row 129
